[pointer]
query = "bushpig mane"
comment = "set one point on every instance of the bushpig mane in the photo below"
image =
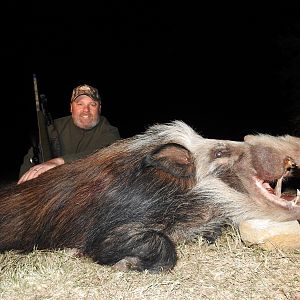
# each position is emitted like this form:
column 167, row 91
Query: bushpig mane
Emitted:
column 129, row 204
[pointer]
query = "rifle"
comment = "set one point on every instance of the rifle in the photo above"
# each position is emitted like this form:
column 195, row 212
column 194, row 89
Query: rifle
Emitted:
column 46, row 145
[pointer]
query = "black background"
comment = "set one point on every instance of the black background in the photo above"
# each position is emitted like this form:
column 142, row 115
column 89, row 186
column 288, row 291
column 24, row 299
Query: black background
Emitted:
column 226, row 74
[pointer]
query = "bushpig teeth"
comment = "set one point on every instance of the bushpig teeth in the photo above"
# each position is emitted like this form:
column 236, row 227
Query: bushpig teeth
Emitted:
column 289, row 163
column 278, row 187
column 295, row 201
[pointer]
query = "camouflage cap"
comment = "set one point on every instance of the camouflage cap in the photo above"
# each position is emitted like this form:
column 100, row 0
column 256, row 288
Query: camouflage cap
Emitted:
column 86, row 90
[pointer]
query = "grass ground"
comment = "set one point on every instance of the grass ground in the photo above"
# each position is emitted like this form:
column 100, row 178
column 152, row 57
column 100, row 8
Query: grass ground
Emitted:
column 226, row 270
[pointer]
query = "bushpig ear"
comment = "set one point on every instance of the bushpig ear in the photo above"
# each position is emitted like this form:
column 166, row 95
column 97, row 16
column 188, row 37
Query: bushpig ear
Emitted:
column 173, row 159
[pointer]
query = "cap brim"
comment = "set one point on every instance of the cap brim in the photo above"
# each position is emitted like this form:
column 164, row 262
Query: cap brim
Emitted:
column 85, row 94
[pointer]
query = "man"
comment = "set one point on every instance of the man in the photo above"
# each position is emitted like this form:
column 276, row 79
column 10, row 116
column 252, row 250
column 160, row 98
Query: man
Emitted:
column 79, row 134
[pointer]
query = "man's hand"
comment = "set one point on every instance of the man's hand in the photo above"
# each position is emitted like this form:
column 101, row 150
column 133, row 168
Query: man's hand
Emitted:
column 37, row 170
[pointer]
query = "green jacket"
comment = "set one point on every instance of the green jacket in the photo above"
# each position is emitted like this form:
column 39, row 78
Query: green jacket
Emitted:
column 76, row 142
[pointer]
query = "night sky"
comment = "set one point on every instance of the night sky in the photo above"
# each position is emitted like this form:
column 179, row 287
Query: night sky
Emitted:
column 226, row 75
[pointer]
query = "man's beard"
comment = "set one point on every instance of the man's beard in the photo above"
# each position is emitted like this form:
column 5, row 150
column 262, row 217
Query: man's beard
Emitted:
column 88, row 123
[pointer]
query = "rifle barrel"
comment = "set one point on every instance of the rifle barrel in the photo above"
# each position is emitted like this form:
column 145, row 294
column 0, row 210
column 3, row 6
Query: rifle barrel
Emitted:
column 45, row 127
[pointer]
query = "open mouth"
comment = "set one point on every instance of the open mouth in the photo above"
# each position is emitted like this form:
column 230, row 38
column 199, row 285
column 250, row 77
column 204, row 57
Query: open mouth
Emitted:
column 284, row 191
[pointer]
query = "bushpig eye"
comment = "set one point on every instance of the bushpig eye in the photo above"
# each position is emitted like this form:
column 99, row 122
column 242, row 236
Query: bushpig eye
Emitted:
column 218, row 154
column 222, row 153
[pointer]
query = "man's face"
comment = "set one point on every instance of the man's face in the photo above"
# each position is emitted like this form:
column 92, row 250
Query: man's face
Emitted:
column 85, row 112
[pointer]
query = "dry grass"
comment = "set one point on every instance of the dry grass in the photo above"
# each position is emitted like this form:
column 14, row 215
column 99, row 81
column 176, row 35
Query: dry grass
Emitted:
column 226, row 270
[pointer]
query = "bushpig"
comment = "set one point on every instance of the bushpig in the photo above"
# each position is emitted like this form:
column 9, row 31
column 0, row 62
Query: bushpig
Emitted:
column 130, row 204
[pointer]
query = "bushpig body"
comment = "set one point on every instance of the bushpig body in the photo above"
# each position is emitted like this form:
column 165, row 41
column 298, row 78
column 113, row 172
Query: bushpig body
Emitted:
column 129, row 204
